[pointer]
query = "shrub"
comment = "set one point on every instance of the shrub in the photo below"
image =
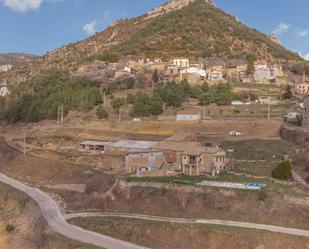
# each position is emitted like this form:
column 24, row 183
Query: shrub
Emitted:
column 144, row 106
column 130, row 82
column 253, row 97
column 117, row 103
column 288, row 94
column 262, row 195
column 108, row 56
column 283, row 171
column 101, row 113
column 130, row 98
column 10, row 228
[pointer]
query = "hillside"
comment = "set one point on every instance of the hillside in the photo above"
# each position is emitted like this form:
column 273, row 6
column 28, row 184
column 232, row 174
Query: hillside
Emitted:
column 14, row 58
column 193, row 28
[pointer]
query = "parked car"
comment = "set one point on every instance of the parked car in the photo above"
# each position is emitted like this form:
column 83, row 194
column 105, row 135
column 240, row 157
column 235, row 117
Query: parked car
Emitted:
column 230, row 150
column 234, row 133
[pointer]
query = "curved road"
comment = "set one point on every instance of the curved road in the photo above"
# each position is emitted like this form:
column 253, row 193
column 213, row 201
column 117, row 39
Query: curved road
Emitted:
column 270, row 228
column 51, row 212
column 57, row 221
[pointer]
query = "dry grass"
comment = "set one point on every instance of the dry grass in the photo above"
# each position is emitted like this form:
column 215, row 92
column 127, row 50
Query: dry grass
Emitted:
column 167, row 235
column 31, row 230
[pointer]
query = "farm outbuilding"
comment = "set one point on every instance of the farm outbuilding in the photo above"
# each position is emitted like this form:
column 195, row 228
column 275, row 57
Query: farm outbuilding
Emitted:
column 188, row 115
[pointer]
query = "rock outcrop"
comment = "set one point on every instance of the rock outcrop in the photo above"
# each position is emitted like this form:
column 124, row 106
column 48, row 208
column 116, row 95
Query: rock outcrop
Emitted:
column 170, row 6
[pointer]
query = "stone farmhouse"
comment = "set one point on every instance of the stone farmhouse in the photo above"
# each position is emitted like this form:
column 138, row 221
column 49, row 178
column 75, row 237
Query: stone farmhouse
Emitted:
column 205, row 161
column 140, row 163
column 180, row 153
column 194, row 75
column 266, row 73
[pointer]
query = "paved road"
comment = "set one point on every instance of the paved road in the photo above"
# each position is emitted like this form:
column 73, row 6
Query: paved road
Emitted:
column 276, row 229
column 55, row 220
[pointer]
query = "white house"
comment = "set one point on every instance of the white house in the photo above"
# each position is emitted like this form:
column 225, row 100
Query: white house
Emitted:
column 188, row 115
column 216, row 74
column 4, row 91
column 194, row 70
column 5, row 68
column 181, row 63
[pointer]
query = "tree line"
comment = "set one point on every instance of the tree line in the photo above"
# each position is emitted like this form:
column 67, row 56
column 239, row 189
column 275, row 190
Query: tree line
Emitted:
column 39, row 98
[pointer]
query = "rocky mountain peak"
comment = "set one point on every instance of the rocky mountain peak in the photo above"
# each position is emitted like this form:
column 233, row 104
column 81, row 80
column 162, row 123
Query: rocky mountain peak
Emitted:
column 171, row 5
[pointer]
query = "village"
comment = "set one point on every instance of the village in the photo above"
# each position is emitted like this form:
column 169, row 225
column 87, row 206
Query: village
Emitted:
column 163, row 124
column 195, row 72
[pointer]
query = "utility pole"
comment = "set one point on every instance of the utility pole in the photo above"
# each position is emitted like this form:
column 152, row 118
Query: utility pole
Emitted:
column 104, row 98
column 24, row 143
column 119, row 119
column 204, row 109
column 60, row 116
column 268, row 116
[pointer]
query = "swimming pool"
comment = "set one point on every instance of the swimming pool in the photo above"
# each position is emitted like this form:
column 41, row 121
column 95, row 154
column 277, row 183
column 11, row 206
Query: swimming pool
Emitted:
column 249, row 186
column 256, row 186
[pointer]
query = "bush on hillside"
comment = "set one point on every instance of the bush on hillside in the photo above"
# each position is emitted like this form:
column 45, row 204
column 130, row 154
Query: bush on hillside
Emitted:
column 283, row 171
column 262, row 195
column 117, row 103
column 101, row 113
column 220, row 94
column 174, row 94
column 144, row 105
column 10, row 228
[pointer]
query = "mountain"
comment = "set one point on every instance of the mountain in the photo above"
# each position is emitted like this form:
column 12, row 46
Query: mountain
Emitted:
column 191, row 28
column 15, row 58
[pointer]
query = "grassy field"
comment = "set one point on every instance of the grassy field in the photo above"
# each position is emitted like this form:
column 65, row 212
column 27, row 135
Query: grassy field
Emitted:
column 193, row 180
column 259, row 157
column 256, row 149
column 256, row 168
column 169, row 236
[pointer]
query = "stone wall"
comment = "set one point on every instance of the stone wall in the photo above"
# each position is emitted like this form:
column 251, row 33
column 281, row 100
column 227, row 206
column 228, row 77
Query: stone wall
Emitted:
column 295, row 134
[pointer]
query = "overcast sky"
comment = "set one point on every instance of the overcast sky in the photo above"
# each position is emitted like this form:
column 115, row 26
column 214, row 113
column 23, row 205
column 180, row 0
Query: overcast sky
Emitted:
column 38, row 26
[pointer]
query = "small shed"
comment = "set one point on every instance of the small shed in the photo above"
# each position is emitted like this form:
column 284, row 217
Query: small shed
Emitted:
column 126, row 146
column 188, row 115
column 143, row 162
column 94, row 146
